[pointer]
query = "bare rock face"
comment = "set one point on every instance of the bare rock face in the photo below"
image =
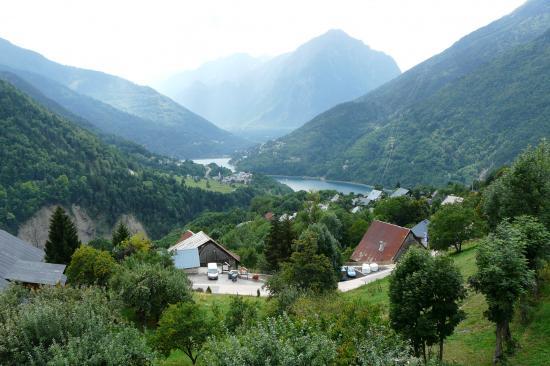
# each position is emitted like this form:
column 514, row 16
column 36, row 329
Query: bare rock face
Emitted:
column 35, row 230
column 132, row 224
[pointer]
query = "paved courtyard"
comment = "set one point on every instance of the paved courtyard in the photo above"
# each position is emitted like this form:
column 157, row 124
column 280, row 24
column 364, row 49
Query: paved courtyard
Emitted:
column 224, row 285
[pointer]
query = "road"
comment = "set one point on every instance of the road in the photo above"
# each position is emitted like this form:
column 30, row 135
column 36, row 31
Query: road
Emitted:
column 358, row 282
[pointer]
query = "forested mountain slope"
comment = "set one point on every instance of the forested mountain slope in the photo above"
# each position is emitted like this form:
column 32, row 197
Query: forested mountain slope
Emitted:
column 46, row 159
column 286, row 91
column 119, row 106
column 473, row 107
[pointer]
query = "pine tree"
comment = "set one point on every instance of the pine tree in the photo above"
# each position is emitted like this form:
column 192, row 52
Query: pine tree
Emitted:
column 62, row 238
column 271, row 249
column 284, row 250
column 120, row 234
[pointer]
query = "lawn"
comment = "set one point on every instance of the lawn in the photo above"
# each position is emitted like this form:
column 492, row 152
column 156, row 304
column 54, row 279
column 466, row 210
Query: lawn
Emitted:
column 212, row 185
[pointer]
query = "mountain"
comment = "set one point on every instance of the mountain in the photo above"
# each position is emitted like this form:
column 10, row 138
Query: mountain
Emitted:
column 121, row 107
column 451, row 118
column 280, row 94
column 48, row 160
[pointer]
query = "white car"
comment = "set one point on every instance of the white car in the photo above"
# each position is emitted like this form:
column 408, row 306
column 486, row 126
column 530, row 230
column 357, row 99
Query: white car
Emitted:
column 212, row 271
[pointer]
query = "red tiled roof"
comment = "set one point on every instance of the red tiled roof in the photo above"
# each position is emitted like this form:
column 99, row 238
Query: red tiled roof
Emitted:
column 392, row 236
column 269, row 216
column 186, row 235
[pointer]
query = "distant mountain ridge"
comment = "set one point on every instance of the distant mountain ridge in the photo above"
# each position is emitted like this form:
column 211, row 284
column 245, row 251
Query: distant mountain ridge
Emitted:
column 121, row 107
column 282, row 93
column 469, row 109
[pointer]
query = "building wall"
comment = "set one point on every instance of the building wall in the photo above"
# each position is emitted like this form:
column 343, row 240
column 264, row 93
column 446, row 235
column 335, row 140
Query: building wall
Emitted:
column 409, row 240
column 210, row 252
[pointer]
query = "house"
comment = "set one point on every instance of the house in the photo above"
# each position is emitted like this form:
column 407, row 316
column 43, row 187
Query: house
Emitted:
column 420, row 230
column 335, row 198
column 323, row 206
column 400, row 192
column 374, row 195
column 23, row 263
column 208, row 249
column 451, row 200
column 268, row 216
column 383, row 243
column 356, row 209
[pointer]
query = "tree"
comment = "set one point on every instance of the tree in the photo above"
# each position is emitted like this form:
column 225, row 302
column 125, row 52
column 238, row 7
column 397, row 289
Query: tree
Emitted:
column 241, row 312
column 402, row 210
column 278, row 246
column 306, row 269
column 101, row 244
column 356, row 231
column 326, row 244
column 185, row 326
column 425, row 294
column 120, row 234
column 271, row 249
column 134, row 244
column 537, row 241
column 524, row 189
column 502, row 276
column 447, row 294
column 453, row 224
column 90, row 266
column 62, row 238
column 149, row 288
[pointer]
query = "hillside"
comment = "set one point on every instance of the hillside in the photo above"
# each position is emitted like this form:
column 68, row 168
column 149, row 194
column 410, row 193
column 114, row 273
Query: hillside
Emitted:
column 280, row 94
column 118, row 106
column 66, row 164
column 453, row 117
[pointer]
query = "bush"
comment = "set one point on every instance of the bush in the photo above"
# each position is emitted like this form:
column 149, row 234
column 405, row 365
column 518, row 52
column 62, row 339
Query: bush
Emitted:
column 277, row 341
column 90, row 266
column 63, row 325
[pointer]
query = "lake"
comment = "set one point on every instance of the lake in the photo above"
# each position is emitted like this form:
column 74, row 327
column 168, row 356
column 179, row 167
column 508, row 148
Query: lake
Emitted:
column 223, row 162
column 299, row 183
column 308, row 184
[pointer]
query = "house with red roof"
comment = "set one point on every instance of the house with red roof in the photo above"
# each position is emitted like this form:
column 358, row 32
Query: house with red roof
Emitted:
column 384, row 243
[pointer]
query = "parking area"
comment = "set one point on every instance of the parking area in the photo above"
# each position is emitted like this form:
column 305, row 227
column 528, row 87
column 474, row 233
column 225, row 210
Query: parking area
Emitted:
column 368, row 278
column 223, row 285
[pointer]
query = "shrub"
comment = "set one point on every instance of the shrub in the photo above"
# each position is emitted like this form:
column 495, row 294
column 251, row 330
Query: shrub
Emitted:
column 90, row 266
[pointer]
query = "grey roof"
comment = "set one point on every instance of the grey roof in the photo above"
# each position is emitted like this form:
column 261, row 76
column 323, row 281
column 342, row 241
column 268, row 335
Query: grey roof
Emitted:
column 420, row 230
column 399, row 192
column 13, row 249
column 36, row 272
column 374, row 195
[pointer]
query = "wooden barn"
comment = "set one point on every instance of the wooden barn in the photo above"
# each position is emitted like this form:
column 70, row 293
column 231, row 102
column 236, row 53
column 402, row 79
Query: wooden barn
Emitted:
column 209, row 250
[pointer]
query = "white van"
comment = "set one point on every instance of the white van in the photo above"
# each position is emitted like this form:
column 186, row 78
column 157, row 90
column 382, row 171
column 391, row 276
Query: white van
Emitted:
column 212, row 272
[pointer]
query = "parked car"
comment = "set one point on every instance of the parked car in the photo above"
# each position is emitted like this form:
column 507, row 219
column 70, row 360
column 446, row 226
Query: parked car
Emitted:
column 233, row 275
column 212, row 271
column 351, row 272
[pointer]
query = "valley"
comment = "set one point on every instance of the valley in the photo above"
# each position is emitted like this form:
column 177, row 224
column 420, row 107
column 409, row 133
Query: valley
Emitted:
column 275, row 183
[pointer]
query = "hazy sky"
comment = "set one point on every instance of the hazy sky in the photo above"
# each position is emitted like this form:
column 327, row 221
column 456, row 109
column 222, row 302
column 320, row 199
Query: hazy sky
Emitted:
column 146, row 40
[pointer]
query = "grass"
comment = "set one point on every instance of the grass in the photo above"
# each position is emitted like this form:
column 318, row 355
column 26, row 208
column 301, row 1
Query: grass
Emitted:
column 212, row 185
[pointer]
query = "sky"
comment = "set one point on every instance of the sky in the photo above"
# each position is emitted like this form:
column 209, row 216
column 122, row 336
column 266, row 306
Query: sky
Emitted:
column 145, row 41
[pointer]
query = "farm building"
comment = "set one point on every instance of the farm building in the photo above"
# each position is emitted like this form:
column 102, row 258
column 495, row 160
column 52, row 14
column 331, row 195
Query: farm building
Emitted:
column 208, row 251
column 400, row 192
column 23, row 263
column 451, row 200
column 420, row 230
column 384, row 243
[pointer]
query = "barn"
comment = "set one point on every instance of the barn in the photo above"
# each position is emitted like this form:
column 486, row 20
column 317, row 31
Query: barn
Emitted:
column 384, row 243
column 209, row 250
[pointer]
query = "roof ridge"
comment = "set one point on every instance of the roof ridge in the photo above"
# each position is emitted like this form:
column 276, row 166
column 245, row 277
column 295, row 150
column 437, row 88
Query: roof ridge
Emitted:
column 389, row 223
